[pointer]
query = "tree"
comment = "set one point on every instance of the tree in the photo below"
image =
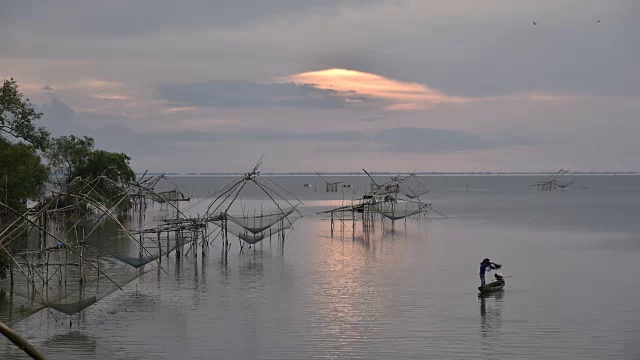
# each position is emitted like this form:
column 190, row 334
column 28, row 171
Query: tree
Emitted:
column 71, row 157
column 17, row 117
column 114, row 166
column 22, row 174
column 66, row 154
column 111, row 172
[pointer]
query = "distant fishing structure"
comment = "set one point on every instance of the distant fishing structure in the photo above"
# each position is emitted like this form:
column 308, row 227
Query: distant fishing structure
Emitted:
column 396, row 199
column 330, row 186
column 560, row 179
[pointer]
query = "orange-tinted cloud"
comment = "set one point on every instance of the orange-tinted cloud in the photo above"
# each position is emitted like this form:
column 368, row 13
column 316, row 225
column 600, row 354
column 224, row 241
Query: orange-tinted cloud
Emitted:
column 407, row 106
column 95, row 84
column 180, row 109
column 401, row 95
column 111, row 97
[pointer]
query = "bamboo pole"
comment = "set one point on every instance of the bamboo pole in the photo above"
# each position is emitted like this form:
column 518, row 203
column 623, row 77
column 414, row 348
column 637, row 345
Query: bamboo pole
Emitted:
column 20, row 342
column 159, row 249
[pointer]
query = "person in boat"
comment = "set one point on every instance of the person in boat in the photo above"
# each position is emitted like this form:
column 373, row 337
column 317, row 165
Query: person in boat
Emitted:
column 485, row 266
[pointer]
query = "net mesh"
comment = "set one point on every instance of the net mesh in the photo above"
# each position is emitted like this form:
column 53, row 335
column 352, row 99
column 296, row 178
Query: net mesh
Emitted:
column 67, row 278
column 259, row 223
column 163, row 197
column 413, row 187
column 62, row 280
column 252, row 238
column 149, row 247
column 398, row 210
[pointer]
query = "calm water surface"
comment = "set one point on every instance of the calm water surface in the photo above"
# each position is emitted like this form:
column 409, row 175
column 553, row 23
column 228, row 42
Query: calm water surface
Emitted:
column 398, row 291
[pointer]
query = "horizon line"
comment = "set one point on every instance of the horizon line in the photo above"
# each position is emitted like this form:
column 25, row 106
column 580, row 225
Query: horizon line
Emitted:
column 357, row 173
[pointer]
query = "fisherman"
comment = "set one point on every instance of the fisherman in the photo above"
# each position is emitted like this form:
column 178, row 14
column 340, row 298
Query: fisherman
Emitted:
column 487, row 265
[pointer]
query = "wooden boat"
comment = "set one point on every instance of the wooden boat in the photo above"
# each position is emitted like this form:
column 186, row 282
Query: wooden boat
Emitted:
column 492, row 286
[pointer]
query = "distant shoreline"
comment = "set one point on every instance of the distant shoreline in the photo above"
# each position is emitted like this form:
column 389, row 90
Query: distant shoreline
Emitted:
column 579, row 173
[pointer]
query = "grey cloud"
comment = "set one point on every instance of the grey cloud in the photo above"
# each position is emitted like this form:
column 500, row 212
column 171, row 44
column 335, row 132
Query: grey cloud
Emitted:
column 422, row 140
column 414, row 140
column 474, row 49
column 400, row 139
column 487, row 53
column 244, row 94
column 59, row 118
column 339, row 136
column 119, row 17
column 154, row 147
column 101, row 117
column 371, row 119
column 156, row 139
column 62, row 120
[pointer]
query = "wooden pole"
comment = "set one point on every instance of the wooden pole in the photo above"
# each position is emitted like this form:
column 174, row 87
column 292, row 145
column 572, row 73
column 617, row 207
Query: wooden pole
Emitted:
column 159, row 249
column 20, row 342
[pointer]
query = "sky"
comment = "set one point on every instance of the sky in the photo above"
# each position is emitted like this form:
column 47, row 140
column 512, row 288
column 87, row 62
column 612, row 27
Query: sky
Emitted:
column 398, row 85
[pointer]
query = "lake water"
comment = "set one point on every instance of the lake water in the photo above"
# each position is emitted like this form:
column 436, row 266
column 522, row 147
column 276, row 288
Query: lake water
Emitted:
column 398, row 291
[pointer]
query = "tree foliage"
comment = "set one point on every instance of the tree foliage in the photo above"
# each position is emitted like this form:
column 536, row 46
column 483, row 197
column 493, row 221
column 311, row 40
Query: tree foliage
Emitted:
column 114, row 166
column 17, row 117
column 71, row 157
column 67, row 154
column 22, row 174
column 112, row 173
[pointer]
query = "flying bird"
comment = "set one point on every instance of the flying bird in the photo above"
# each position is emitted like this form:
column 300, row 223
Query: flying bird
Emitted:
column 535, row 23
column 598, row 21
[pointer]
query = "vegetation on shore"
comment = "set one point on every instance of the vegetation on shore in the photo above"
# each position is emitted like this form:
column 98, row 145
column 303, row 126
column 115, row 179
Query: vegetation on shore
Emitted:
column 31, row 160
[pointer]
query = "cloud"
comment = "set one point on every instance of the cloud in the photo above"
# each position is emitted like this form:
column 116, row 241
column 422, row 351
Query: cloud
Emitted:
column 97, row 117
column 245, row 94
column 181, row 109
column 326, row 89
column 424, row 140
column 402, row 95
column 256, row 136
column 371, row 119
column 331, row 136
column 126, row 18
column 111, row 97
column 409, row 106
column 58, row 117
column 91, row 84
column 166, row 150
column 114, row 135
column 509, row 71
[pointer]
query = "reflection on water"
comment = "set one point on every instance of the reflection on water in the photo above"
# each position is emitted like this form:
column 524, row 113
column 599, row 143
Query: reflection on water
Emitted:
column 77, row 340
column 491, row 314
column 385, row 291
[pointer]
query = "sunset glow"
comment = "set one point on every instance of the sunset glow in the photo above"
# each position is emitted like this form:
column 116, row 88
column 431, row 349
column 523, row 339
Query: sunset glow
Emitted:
column 180, row 109
column 111, row 97
column 404, row 95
